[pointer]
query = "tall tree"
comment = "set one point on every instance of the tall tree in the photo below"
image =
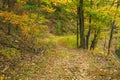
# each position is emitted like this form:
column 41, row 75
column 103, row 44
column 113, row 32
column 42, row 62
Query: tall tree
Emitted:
column 81, row 24
column 77, row 33
column 89, row 31
column 113, row 25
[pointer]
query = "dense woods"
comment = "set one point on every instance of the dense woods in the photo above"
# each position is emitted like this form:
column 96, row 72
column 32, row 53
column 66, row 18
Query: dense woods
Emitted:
column 36, row 33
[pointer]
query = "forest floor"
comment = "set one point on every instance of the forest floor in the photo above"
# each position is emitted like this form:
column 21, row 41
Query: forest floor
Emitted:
column 62, row 63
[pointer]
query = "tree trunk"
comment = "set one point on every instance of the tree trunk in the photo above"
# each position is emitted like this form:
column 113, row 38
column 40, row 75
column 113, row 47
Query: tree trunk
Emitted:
column 81, row 24
column 77, row 33
column 89, row 31
column 112, row 28
column 9, row 28
column 93, row 42
column 95, row 39
column 88, row 34
column 111, row 35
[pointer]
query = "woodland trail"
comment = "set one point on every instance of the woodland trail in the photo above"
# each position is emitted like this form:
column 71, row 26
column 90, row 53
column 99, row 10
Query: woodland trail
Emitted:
column 61, row 63
column 73, row 65
column 58, row 63
column 65, row 64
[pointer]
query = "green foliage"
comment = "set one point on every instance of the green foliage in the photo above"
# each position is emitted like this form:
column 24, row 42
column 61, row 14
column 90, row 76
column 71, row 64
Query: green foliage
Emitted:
column 10, row 53
column 118, row 45
column 38, row 16
column 117, row 51
column 68, row 41
column 58, row 28
column 117, row 35
column 46, row 2
column 51, row 43
column 29, row 7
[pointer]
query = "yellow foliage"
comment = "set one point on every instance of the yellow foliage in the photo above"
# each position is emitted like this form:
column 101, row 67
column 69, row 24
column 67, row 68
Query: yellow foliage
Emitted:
column 1, row 77
column 48, row 9
column 65, row 2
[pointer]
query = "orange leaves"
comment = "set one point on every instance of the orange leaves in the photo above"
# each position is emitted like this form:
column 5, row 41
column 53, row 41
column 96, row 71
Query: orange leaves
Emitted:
column 30, row 24
column 10, row 16
column 5, row 15
column 13, row 18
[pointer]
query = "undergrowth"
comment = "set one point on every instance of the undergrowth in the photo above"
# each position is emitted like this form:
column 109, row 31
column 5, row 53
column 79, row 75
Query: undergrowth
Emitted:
column 68, row 41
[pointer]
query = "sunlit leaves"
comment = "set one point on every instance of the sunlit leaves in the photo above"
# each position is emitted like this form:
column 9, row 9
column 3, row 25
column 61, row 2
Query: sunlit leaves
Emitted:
column 57, row 2
column 48, row 9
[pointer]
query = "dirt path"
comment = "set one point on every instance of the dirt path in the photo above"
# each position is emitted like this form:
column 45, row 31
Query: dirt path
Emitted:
column 68, row 64
column 64, row 63
column 75, row 64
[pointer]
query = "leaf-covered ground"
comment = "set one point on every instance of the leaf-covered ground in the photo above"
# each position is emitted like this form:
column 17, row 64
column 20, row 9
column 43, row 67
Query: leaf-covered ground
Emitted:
column 61, row 63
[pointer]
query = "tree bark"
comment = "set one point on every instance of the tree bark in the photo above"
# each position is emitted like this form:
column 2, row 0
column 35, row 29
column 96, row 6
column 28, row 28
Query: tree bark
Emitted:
column 112, row 28
column 89, row 31
column 9, row 28
column 81, row 24
column 77, row 33
column 111, row 35
column 88, row 34
column 95, row 39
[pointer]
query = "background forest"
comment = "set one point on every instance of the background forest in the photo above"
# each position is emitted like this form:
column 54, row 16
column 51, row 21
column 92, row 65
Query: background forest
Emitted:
column 59, row 39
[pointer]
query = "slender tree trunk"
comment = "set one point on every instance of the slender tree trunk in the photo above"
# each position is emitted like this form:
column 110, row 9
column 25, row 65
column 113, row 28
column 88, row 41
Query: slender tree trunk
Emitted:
column 111, row 35
column 77, row 30
column 88, row 34
column 77, row 33
column 81, row 23
column 9, row 25
column 112, row 28
column 95, row 39
column 89, row 31
column 93, row 42
column 9, row 28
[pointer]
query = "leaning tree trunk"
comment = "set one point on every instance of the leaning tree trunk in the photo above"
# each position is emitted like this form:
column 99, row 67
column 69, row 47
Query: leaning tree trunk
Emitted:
column 95, row 39
column 111, row 35
column 112, row 28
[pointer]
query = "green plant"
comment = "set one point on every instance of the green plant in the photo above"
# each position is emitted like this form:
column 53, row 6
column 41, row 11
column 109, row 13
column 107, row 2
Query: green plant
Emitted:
column 58, row 28
column 10, row 53
column 117, row 51
column 68, row 41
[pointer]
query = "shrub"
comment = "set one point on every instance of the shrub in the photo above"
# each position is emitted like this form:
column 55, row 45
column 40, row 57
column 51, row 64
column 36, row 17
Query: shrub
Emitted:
column 10, row 53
